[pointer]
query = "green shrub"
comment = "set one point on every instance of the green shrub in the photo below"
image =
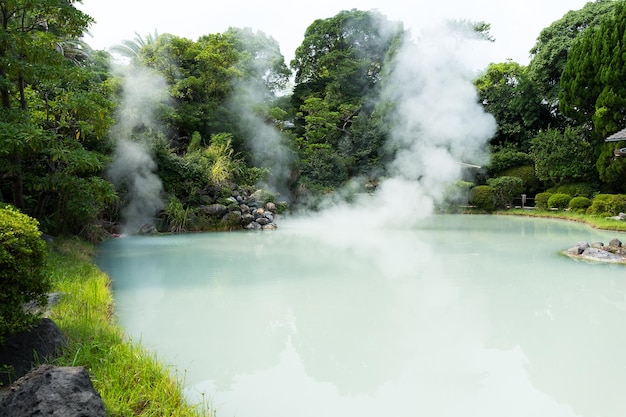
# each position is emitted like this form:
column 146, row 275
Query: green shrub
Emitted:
column 527, row 175
column 505, row 189
column 579, row 204
column 23, row 277
column 559, row 201
column 575, row 190
column 541, row 201
column 483, row 197
column 608, row 205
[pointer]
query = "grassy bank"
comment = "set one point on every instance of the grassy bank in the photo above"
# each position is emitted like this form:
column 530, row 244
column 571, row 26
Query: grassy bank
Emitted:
column 599, row 222
column 132, row 381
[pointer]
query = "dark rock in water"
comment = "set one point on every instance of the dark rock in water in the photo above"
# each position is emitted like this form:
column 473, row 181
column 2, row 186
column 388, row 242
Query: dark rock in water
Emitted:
column 615, row 243
column 246, row 218
column 601, row 255
column 214, row 209
column 21, row 351
column 232, row 217
column 263, row 221
column 578, row 249
column 253, row 226
column 53, row 391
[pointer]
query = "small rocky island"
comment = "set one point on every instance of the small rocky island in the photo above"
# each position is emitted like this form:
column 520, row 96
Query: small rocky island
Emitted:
column 614, row 252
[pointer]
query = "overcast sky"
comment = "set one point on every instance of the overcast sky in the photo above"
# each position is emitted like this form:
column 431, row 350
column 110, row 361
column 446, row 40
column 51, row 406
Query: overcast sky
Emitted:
column 515, row 25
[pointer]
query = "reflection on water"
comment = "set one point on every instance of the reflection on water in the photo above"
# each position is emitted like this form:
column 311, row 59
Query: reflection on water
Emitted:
column 465, row 316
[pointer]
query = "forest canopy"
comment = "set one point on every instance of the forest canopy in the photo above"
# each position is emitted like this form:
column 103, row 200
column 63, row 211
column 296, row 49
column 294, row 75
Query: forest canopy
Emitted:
column 235, row 117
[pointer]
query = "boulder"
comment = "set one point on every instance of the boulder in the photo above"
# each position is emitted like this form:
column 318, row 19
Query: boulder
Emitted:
column 214, row 210
column 253, row 226
column 21, row 351
column 615, row 243
column 578, row 249
column 53, row 391
column 601, row 255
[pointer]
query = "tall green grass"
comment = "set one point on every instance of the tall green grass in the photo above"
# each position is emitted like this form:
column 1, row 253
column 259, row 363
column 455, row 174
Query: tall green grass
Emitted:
column 131, row 381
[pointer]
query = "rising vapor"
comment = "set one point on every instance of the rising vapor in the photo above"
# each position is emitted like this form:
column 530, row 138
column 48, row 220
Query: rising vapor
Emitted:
column 437, row 125
column 133, row 169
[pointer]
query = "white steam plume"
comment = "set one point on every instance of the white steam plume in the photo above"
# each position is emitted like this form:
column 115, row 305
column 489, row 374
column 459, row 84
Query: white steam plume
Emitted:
column 133, row 167
column 438, row 124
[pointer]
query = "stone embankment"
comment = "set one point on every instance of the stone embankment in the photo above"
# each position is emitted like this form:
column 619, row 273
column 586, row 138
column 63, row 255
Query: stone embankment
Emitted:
column 597, row 251
column 241, row 210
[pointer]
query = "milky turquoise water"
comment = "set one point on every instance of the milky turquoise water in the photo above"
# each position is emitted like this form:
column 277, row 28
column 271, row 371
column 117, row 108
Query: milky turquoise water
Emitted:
column 462, row 316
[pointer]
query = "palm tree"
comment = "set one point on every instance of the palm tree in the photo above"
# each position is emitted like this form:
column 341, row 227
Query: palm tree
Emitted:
column 130, row 48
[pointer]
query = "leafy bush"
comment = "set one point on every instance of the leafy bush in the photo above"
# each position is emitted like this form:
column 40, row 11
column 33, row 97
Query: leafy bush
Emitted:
column 483, row 197
column 505, row 189
column 575, row 190
column 541, row 200
column 22, row 275
column 608, row 205
column 504, row 158
column 527, row 175
column 559, row 201
column 579, row 204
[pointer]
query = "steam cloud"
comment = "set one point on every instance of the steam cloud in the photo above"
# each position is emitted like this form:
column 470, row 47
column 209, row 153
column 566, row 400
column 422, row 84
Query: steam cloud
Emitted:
column 438, row 124
column 133, row 168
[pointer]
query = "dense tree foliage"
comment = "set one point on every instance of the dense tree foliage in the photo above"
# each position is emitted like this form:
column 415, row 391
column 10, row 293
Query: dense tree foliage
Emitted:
column 53, row 115
column 338, row 68
column 550, row 53
column 232, row 120
column 508, row 93
column 593, row 90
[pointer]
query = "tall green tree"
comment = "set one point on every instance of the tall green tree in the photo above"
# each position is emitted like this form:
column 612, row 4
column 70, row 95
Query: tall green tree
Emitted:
column 341, row 60
column 550, row 52
column 593, row 90
column 53, row 112
column 507, row 92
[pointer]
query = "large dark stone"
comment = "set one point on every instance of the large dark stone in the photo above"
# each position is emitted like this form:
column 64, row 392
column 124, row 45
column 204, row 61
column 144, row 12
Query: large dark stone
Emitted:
column 214, row 210
column 21, row 351
column 53, row 391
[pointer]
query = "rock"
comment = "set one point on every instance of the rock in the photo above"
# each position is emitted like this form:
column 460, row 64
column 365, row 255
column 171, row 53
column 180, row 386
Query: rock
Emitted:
column 263, row 221
column 246, row 219
column 270, row 206
column 23, row 350
column 253, row 226
column 269, row 226
column 578, row 249
column 53, row 391
column 615, row 243
column 597, row 245
column 232, row 217
column 214, row 210
column 601, row 255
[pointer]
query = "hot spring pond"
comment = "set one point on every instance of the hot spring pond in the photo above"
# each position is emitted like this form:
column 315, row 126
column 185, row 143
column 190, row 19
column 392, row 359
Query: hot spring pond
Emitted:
column 465, row 316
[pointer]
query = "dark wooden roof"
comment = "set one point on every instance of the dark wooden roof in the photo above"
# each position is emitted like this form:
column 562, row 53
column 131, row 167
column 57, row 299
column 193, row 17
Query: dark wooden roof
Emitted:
column 617, row 136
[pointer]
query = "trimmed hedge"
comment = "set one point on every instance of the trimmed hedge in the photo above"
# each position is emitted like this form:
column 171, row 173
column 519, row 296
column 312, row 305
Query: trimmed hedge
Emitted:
column 23, row 277
column 483, row 197
column 579, row 204
column 608, row 205
column 541, row 200
column 559, row 201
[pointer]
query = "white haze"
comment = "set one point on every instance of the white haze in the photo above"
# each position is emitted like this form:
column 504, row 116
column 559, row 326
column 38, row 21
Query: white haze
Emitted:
column 133, row 167
column 439, row 124
column 267, row 143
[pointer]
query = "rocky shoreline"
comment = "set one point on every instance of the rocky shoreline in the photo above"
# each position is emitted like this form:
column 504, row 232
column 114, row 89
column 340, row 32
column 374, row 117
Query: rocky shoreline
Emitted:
column 614, row 252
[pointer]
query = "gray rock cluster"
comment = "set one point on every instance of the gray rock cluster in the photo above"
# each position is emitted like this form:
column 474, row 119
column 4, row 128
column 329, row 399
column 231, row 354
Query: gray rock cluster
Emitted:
column 598, row 251
column 45, row 390
column 244, row 211
column 53, row 391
